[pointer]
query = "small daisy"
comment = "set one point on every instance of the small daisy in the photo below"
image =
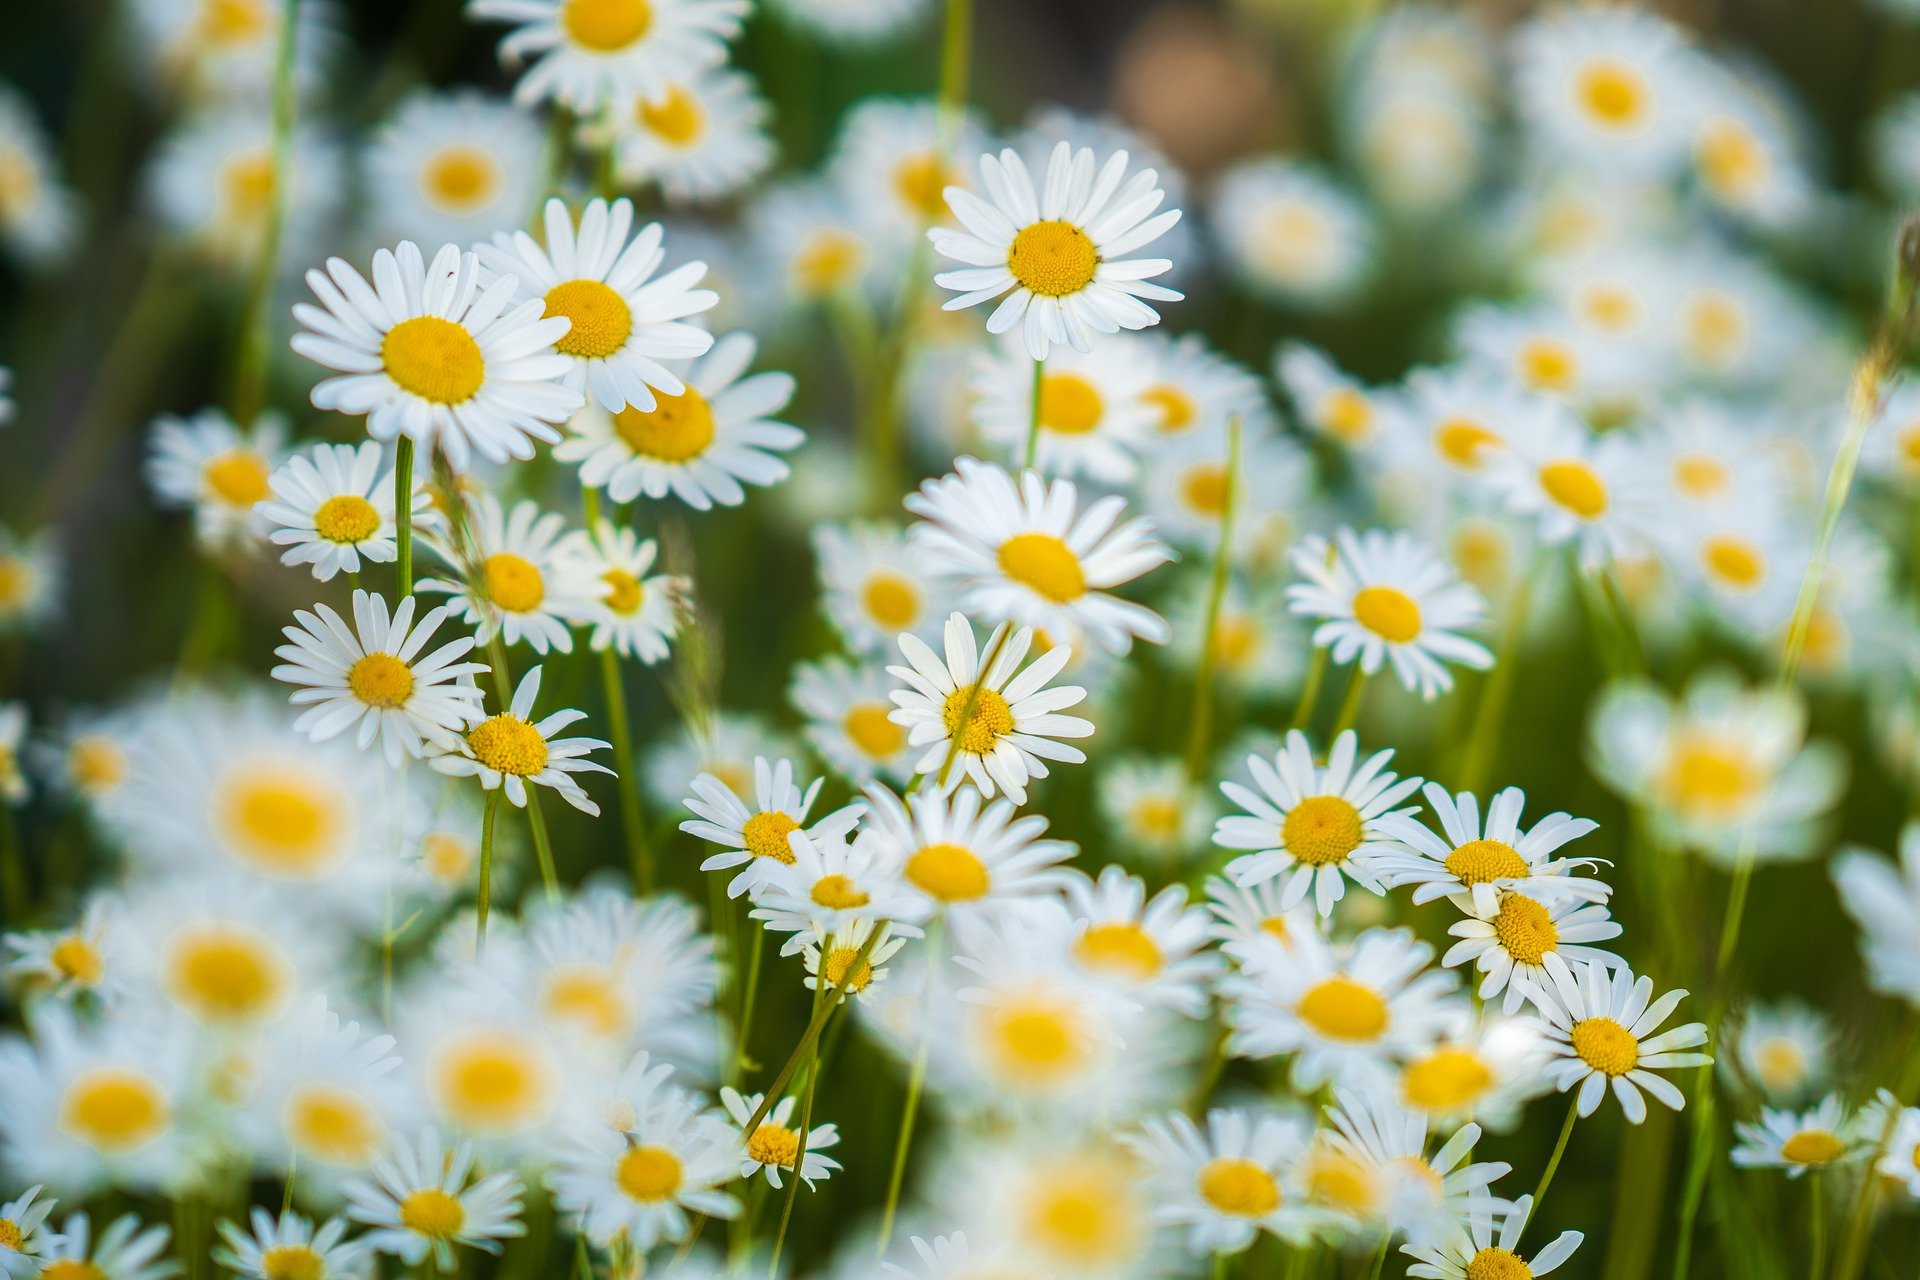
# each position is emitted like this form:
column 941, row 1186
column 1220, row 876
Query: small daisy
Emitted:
column 1150, row 810
column 1312, row 826
column 213, row 184
column 1605, row 87
column 698, row 138
column 332, row 507
column 20, row 1234
column 624, row 322
column 220, row 471
column 1154, row 949
column 594, row 54
column 1292, row 234
column 835, row 886
column 959, row 854
column 1093, row 418
column 1462, row 419
column 1197, row 391
column 290, row 1246
column 514, row 751
column 810, row 244
column 1474, row 865
column 13, row 736
column 515, row 582
column 1226, row 1184
column 453, row 168
column 1062, row 250
column 1901, row 1158
column 1025, row 553
column 755, row 838
column 895, row 158
column 1418, row 1194
column 30, row 578
column 373, row 678
column 997, row 726
column 1522, row 943
column 850, row 720
column 1386, row 597
column 1328, row 401
column 875, row 585
column 87, row 956
column 1476, row 1250
column 324, row 1097
column 423, row 1199
column 853, row 22
column 1883, row 898
column 124, row 1251
column 773, row 1144
column 1589, row 491
column 1784, row 1048
column 223, row 54
column 424, row 351
column 1485, row 1069
column 631, row 613
column 39, row 214
column 1799, row 1142
column 1600, row 1035
column 702, row 444
column 833, row 955
column 1248, row 917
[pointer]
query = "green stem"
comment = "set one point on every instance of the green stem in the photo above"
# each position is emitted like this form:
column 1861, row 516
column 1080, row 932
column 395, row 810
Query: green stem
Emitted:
column 542, row 848
column 1490, row 715
column 806, row 1123
column 1553, row 1161
column 1350, row 704
column 632, row 822
column 1310, row 689
column 1200, row 732
column 403, row 513
column 903, row 1141
column 249, row 383
column 750, row 995
column 1032, row 455
column 1817, row 1223
column 485, row 900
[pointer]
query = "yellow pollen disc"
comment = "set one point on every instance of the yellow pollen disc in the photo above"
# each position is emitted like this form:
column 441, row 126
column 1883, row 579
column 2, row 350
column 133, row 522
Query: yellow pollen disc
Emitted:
column 891, row 601
column 675, row 117
column 71, row 1269
column 1043, row 564
column 1524, row 928
column 1548, row 365
column 1446, row 1081
column 1732, row 163
column 509, row 745
column 1342, row 1182
column 1464, row 443
column 238, row 478
column 1388, row 612
column 1701, row 476
column 1238, row 1187
column 765, row 835
column 838, row 893
column 433, row 358
column 113, row 1109
column 381, row 680
column 1346, row 415
column 625, row 593
column 281, row 821
column 1341, row 1009
column 650, row 1175
column 247, row 183
column 490, row 1080
column 1733, row 561
column 677, row 428
column 991, row 719
column 921, row 181
column 291, row 1262
column 1036, row 1041
column 445, row 856
column 1495, row 1263
column 1175, row 409
column 1813, row 1146
column 588, row 997
column 433, row 1213
column 1203, row 487
column 1713, row 328
column 1321, row 830
column 1053, row 259
column 774, row 1144
column 1157, row 817
column 1484, row 861
column 226, row 973
column 11, row 1237
column 328, row 1123
column 1606, row 1046
column 1575, row 487
column 513, row 582
column 1121, row 949
column 77, row 960
column 1070, row 404
column 1780, row 1064
column 226, row 23
column 1710, row 779
column 948, row 873
column 601, row 319
column 346, row 518
column 1275, row 927
column 605, row 26
column 868, row 728
column 829, row 261
column 840, row 961
column 19, row 182
column 460, row 178
column 1611, row 307
column 16, row 580
column 1082, row 1217
column 1614, row 94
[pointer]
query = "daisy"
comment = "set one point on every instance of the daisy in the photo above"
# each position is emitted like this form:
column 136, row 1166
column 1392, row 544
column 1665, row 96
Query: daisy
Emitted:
column 124, row 1251
column 1548, row 353
column 1799, row 1142
column 1227, row 1183
column 1093, row 414
column 835, row 886
column 1247, row 917
column 1784, row 1048
column 875, row 585
column 224, row 52
column 834, row 956
column 423, row 1199
column 849, row 720
column 1476, row 1248
column 1197, row 391
column 20, row 1234
column 1310, row 825
column 895, row 158
column 1600, row 1034
column 1485, row 1069
column 1884, row 901
column 1746, row 152
column 1385, row 597
column 290, row 1245
column 633, row 614
column 39, row 215
column 1420, row 1195
column 30, row 578
column 1062, row 249
column 510, row 749
column 862, row 22
column 1149, row 810
column 453, row 168
column 1025, row 553
column 996, row 725
column 332, row 507
column 217, row 469
column 1901, row 1151
column 512, row 576
column 1328, row 401
column 756, row 838
column 214, row 180
column 697, row 138
column 592, row 54
column 1605, row 87
column 87, row 956
column 1190, row 481
column 326, row 1096
column 1587, row 491
column 772, row 1144
column 1460, row 420
column 702, row 444
column 1060, row 1209
column 960, row 855
column 811, row 242
column 1521, row 943
column 1291, row 234
column 1154, row 949
column 1473, row 865
column 13, row 735
column 426, row 352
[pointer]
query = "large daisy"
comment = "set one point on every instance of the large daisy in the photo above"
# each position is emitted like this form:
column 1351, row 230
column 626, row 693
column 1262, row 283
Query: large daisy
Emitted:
column 332, row 507
column 592, row 54
column 1601, row 1032
column 1474, row 864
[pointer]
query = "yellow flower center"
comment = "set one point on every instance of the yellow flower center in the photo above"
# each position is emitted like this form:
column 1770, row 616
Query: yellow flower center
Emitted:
column 1174, row 408
column 291, row 1262
column 445, row 856
column 238, row 478
column 1733, row 561
column 11, row 1236
column 113, row 1109
column 71, row 1269
column 1611, row 307
column 1321, row 830
column 1339, row 1008
column 677, row 428
column 1713, row 328
column 675, row 118
column 891, row 601
column 1710, row 779
column 433, row 358
column 625, row 593
column 1203, row 487
column 77, row 960
column 1238, row 1187
column 381, row 680
column 1340, row 1181
column 648, row 1174
column 765, row 835
column 1495, row 1263
column 19, row 182
column 1575, row 487
column 838, row 893
column 460, row 178
column 1388, row 612
column 921, row 181
column 1346, row 415
column 1614, row 94
column 1484, row 861
column 281, row 821
column 1524, row 928
column 1780, row 1064
column 1070, row 404
column 1547, row 364
column 226, row 973
column 1053, row 259
column 514, row 582
column 507, row 744
column 980, row 730
column 1606, row 1046
column 346, row 518
column 1083, row 1217
column 433, row 1213
column 830, row 260
column 1464, row 443
column 601, row 319
column 16, row 582
column 1036, row 1041
column 1043, row 564
column 226, row 23
column 606, row 26
column 588, row 997
column 871, row 732
column 774, row 1144
column 1121, row 949
column 1446, row 1081
column 1701, row 476
column 491, row 1080
column 328, row 1123
column 1157, row 817
column 247, row 184
column 1732, row 162
column 1813, row 1146
column 948, row 873
column 840, row 963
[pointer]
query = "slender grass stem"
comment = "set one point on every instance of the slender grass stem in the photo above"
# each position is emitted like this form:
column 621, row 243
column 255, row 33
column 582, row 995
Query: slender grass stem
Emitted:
column 632, row 821
column 542, row 847
column 1350, row 704
column 750, row 994
column 909, row 1113
column 1817, row 1225
column 488, row 816
column 1490, row 716
column 1031, row 457
column 1553, row 1161
column 250, row 365
column 1310, row 689
column 403, row 514
column 806, row 1122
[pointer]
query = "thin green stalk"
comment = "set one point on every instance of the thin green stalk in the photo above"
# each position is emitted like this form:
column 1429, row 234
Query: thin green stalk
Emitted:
column 1032, row 455
column 632, row 822
column 1490, row 716
column 1380, row 1257
column 1199, row 732
column 485, row 900
column 750, row 996
column 286, row 1196
column 903, row 1141
column 1350, row 704
column 403, row 514
column 1817, row 1224
column 1310, row 689
column 250, row 373
column 1853, row 1250
column 806, row 1123
column 542, row 848
column 1553, row 1161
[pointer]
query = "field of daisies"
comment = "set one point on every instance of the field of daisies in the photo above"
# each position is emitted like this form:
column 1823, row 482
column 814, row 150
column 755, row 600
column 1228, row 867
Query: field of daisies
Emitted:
column 693, row 638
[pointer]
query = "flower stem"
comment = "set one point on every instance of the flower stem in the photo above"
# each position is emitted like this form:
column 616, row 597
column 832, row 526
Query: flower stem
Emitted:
column 1310, row 689
column 1032, row 456
column 1490, row 715
column 250, row 368
column 485, row 900
column 916, row 1081
column 1200, row 732
column 806, row 1123
column 1817, row 1224
column 632, row 821
column 542, row 847
column 1553, row 1161
column 1350, row 704
column 750, row 995
column 403, row 513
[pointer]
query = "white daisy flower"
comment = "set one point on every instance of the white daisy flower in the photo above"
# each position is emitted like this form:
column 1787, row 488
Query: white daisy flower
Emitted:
column 1153, row 949
column 373, row 678
column 1197, row 391
column 424, row 351
column 1247, row 917
column 959, row 854
column 1460, row 420
column 20, row 1235
column 510, row 749
column 213, row 184
column 986, row 724
column 697, row 138
column 1189, row 480
column 332, row 507
column 894, row 159
column 1784, row 1048
column 632, row 613
column 1310, row 825
column 1581, row 489
column 86, row 956
column 594, row 54
column 1224, row 1185
column 124, row 1251
column 1385, row 597
column 1094, row 416
column 1605, row 88
column 1062, row 249
column 1028, row 554
column 1473, row 865
column 1884, row 901
column 774, row 1144
column 1522, row 942
column 849, row 713
column 1291, row 234
column 13, row 737
column 1799, row 1142
column 31, row 571
column 225, row 52
column 326, row 1097
column 832, row 957
column 1901, row 1157
column 755, row 837
column 1415, row 1193
column 701, row 445
column 423, row 1199
column 853, row 22
column 515, row 581
column 453, row 168
column 834, row 886
column 1600, row 1033
column 219, row 471
column 810, row 245
column 1488, row 1245
column 39, row 214
column 291, row 1245
column 1485, row 1070
column 1151, row 810
column 875, row 585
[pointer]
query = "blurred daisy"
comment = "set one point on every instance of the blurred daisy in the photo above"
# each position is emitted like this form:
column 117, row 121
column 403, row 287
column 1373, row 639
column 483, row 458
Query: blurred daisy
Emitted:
column 701, row 445
column 773, row 1144
column 214, row 182
column 849, row 720
column 1487, row 1245
column 593, row 54
column 1745, row 153
column 20, row 1235
column 1601, row 1034
column 452, row 168
column 274, row 1249
column 1901, row 1158
column 633, row 614
column 1247, row 917
column 756, row 838
column 1798, row 1142
column 1385, row 597
column 39, row 216
column 1884, row 901
column 1154, row 949
column 124, row 1251
column 1189, row 481
column 698, row 138
column 426, row 352
column 960, row 854
column 1149, row 810
column 30, row 578
column 833, row 958
column 1328, row 401
column 1587, row 491
column 1785, row 1048
column 1227, row 1183
column 1605, row 87
column 87, row 956
column 325, row 1096
column 332, row 507
column 1483, row 1069
column 811, row 242
column 1473, row 865
column 229, row 954
column 1093, row 414
column 895, row 158
column 1418, row 1194
column 1291, row 234
column 510, row 749
column 13, row 738
column 1461, row 420
column 373, row 678
column 1197, row 391
column 424, row 1199
column 857, row 22
column 226, row 51
column 1521, row 943
column 516, row 583
column 1062, row 250
column 218, row 470
column 875, row 585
